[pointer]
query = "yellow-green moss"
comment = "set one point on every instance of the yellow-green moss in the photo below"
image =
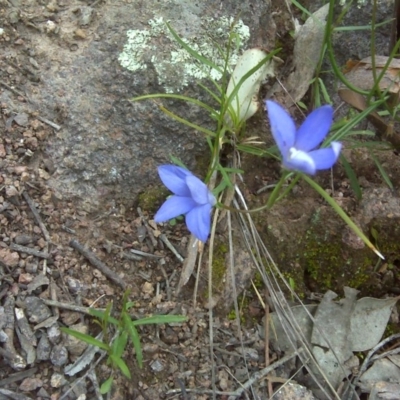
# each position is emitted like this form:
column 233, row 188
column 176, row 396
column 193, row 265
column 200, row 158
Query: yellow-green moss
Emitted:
column 219, row 264
column 152, row 198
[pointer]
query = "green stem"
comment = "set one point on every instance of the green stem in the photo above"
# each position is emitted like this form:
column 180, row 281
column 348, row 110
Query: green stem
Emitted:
column 342, row 214
column 274, row 194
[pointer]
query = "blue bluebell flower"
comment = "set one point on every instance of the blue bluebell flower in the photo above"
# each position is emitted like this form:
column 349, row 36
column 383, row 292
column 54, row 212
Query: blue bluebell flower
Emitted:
column 298, row 146
column 191, row 198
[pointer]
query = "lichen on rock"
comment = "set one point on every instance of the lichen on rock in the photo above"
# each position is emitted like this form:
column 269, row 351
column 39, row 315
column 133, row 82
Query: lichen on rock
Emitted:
column 175, row 67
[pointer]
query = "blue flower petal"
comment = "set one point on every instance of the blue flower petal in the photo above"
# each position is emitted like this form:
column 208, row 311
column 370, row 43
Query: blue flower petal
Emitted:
column 174, row 178
column 198, row 221
column 282, row 127
column 300, row 161
column 314, row 129
column 198, row 190
column 173, row 207
column 325, row 158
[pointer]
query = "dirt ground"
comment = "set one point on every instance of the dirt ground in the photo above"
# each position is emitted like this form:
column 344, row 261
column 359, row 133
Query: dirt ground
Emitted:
column 37, row 261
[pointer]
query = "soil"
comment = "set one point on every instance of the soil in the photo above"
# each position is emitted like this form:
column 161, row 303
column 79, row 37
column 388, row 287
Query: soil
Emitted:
column 176, row 357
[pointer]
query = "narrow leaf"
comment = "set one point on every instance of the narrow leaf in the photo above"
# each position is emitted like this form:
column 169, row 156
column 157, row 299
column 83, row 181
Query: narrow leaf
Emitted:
column 86, row 338
column 120, row 363
column 106, row 385
column 160, row 319
column 382, row 171
column 119, row 344
column 134, row 337
column 101, row 315
column 352, row 177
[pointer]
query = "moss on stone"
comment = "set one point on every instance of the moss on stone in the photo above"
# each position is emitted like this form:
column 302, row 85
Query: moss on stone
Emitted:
column 152, row 198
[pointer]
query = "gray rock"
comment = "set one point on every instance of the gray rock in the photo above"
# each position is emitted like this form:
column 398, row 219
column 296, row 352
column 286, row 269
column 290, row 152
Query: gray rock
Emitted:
column 36, row 310
column 59, row 355
column 43, row 349
column 54, row 334
column 57, row 380
column 108, row 146
column 157, row 366
column 75, row 346
column 355, row 43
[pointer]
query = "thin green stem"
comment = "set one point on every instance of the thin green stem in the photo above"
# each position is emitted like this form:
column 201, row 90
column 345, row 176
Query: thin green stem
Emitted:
column 341, row 213
column 274, row 194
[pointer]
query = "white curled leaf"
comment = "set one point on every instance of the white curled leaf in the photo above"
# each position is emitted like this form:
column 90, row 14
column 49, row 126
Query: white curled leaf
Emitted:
column 245, row 103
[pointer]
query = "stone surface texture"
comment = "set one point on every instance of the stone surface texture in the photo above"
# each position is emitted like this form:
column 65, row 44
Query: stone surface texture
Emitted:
column 109, row 148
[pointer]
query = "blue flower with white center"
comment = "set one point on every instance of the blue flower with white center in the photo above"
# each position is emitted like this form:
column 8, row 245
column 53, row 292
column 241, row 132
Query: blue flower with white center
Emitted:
column 297, row 146
column 191, row 197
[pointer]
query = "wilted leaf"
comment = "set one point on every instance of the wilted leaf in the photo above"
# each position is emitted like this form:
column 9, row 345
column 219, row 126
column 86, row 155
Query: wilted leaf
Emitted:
column 306, row 54
column 368, row 322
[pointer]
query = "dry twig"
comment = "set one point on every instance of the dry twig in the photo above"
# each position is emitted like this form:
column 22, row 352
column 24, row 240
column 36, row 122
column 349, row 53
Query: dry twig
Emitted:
column 98, row 264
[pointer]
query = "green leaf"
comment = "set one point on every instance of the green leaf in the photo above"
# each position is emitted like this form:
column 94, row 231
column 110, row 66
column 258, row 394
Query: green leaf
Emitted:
column 352, row 177
column 106, row 385
column 203, row 60
column 382, row 171
column 325, row 93
column 174, row 97
column 120, row 363
column 86, row 338
column 186, row 122
column 177, row 161
column 101, row 315
column 225, row 176
column 119, row 344
column 250, row 149
column 374, row 234
column 160, row 319
column 128, row 323
column 129, row 305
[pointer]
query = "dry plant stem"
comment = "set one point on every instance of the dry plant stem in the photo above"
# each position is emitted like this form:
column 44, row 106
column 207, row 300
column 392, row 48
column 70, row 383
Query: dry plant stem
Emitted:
column 142, row 253
column 50, row 123
column 166, row 281
column 36, row 215
column 196, row 285
column 210, row 300
column 92, row 367
column 367, row 360
column 53, row 295
column 71, row 307
column 234, row 291
column 98, row 264
column 171, row 247
column 17, row 92
column 265, row 371
column 28, row 250
column 257, row 376
column 132, row 257
column 93, row 377
column 264, row 261
column 148, row 229
column 18, row 376
column 266, row 348
column 12, row 395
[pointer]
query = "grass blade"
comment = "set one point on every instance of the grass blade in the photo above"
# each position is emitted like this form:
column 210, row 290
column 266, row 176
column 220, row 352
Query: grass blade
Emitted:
column 352, row 177
column 102, row 315
column 120, row 363
column 187, row 123
column 86, row 338
column 106, row 385
column 385, row 176
column 203, row 60
column 175, row 97
column 135, row 338
column 160, row 319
